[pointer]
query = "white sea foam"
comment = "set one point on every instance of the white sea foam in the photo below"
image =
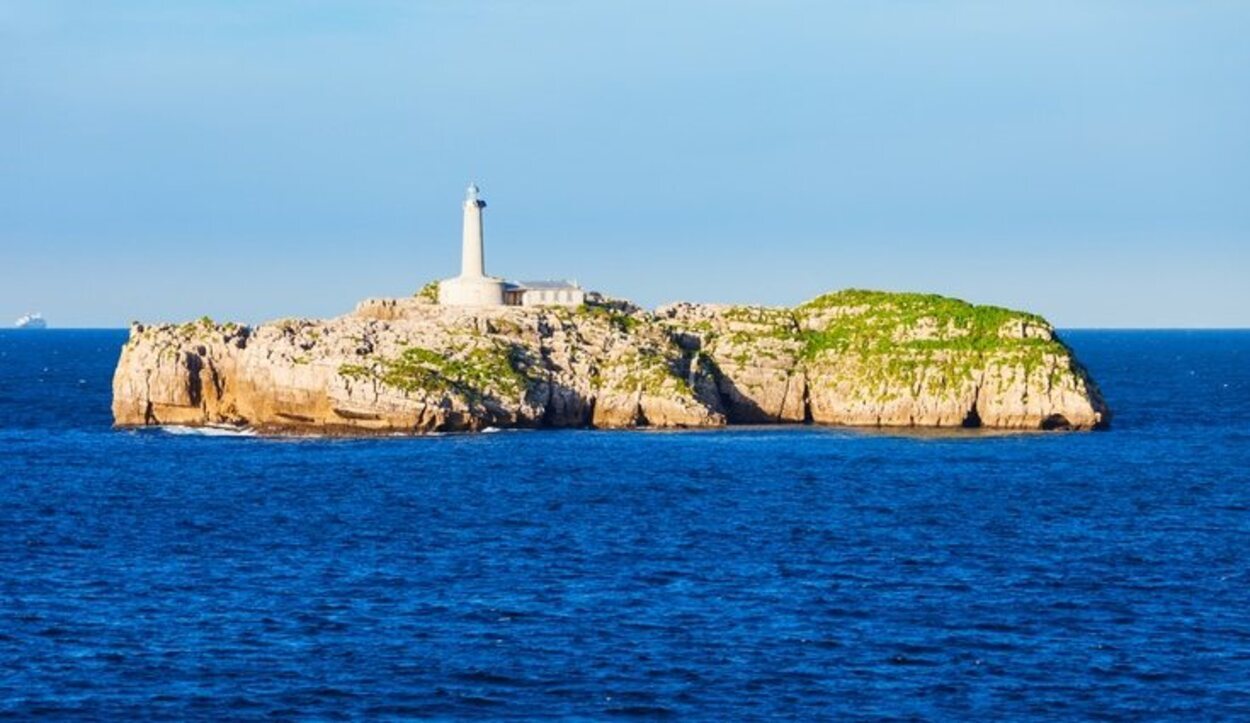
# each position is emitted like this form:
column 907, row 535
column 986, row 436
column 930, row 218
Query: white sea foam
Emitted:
column 209, row 431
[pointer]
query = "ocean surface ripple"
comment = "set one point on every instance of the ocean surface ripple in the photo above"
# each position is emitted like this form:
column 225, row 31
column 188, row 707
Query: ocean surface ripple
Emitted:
column 744, row 573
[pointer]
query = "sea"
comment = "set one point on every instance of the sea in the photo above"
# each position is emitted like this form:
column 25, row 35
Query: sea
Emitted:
column 738, row 574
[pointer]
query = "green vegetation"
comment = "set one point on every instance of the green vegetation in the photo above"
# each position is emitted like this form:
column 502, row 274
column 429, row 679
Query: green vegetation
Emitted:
column 473, row 375
column 355, row 372
column 660, row 378
column 779, row 319
column 196, row 329
column 756, row 325
column 429, row 292
column 886, row 321
column 928, row 343
column 651, row 372
column 623, row 322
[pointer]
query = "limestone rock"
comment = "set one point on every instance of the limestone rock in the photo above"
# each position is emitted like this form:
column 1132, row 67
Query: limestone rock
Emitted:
column 757, row 353
column 886, row 359
column 410, row 366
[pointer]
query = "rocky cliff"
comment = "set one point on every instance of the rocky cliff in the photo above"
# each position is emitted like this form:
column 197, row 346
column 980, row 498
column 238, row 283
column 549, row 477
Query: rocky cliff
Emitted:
column 409, row 366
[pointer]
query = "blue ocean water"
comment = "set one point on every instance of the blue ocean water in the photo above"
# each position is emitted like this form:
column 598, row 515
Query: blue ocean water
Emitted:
column 745, row 573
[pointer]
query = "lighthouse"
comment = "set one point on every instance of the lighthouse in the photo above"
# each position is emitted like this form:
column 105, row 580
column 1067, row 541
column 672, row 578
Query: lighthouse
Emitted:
column 472, row 265
column 472, row 287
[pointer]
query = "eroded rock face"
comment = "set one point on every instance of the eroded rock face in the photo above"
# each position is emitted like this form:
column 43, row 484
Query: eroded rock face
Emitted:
column 757, row 353
column 413, row 367
column 408, row 366
column 885, row 359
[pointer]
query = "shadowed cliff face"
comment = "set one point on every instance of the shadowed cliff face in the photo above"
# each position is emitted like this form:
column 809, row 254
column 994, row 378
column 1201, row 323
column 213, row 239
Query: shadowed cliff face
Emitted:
column 869, row 358
column 408, row 366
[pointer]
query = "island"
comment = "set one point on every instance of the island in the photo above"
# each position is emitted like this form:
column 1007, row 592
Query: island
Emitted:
column 477, row 352
column 860, row 358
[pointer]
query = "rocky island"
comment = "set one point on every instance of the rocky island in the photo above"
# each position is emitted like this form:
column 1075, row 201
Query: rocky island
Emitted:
column 475, row 351
column 413, row 366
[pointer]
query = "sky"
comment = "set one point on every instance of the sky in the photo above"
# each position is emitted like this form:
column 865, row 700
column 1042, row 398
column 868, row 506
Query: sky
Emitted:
column 1086, row 160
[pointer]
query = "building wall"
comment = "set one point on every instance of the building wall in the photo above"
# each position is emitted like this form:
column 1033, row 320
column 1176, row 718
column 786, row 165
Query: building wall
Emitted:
column 553, row 297
column 462, row 291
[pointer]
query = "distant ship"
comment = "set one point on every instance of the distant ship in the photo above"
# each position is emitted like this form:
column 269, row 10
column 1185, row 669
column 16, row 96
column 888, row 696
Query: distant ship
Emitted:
column 32, row 321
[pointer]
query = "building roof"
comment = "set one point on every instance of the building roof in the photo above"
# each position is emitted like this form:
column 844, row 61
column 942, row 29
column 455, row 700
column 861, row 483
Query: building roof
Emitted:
column 544, row 285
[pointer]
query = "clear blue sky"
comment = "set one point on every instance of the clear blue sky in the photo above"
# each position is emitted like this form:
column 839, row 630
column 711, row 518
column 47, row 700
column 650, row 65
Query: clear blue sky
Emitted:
column 250, row 160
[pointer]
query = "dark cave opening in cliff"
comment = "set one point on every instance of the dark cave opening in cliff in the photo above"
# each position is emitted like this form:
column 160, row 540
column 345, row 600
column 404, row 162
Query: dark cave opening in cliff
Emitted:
column 1056, row 421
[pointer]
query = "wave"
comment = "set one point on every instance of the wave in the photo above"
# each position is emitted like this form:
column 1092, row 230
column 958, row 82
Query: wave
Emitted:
column 178, row 429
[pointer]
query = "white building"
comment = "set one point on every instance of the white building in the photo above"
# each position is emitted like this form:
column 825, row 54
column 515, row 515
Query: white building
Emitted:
column 543, row 293
column 474, row 288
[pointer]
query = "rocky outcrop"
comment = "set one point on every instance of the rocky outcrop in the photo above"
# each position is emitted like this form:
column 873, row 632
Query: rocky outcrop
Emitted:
column 409, row 366
column 864, row 358
column 757, row 353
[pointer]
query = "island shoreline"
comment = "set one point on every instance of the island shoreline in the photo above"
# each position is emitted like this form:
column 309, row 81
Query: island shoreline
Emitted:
column 855, row 359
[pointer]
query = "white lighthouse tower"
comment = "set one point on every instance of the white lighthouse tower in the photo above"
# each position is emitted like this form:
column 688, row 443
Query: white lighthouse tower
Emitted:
column 472, row 287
